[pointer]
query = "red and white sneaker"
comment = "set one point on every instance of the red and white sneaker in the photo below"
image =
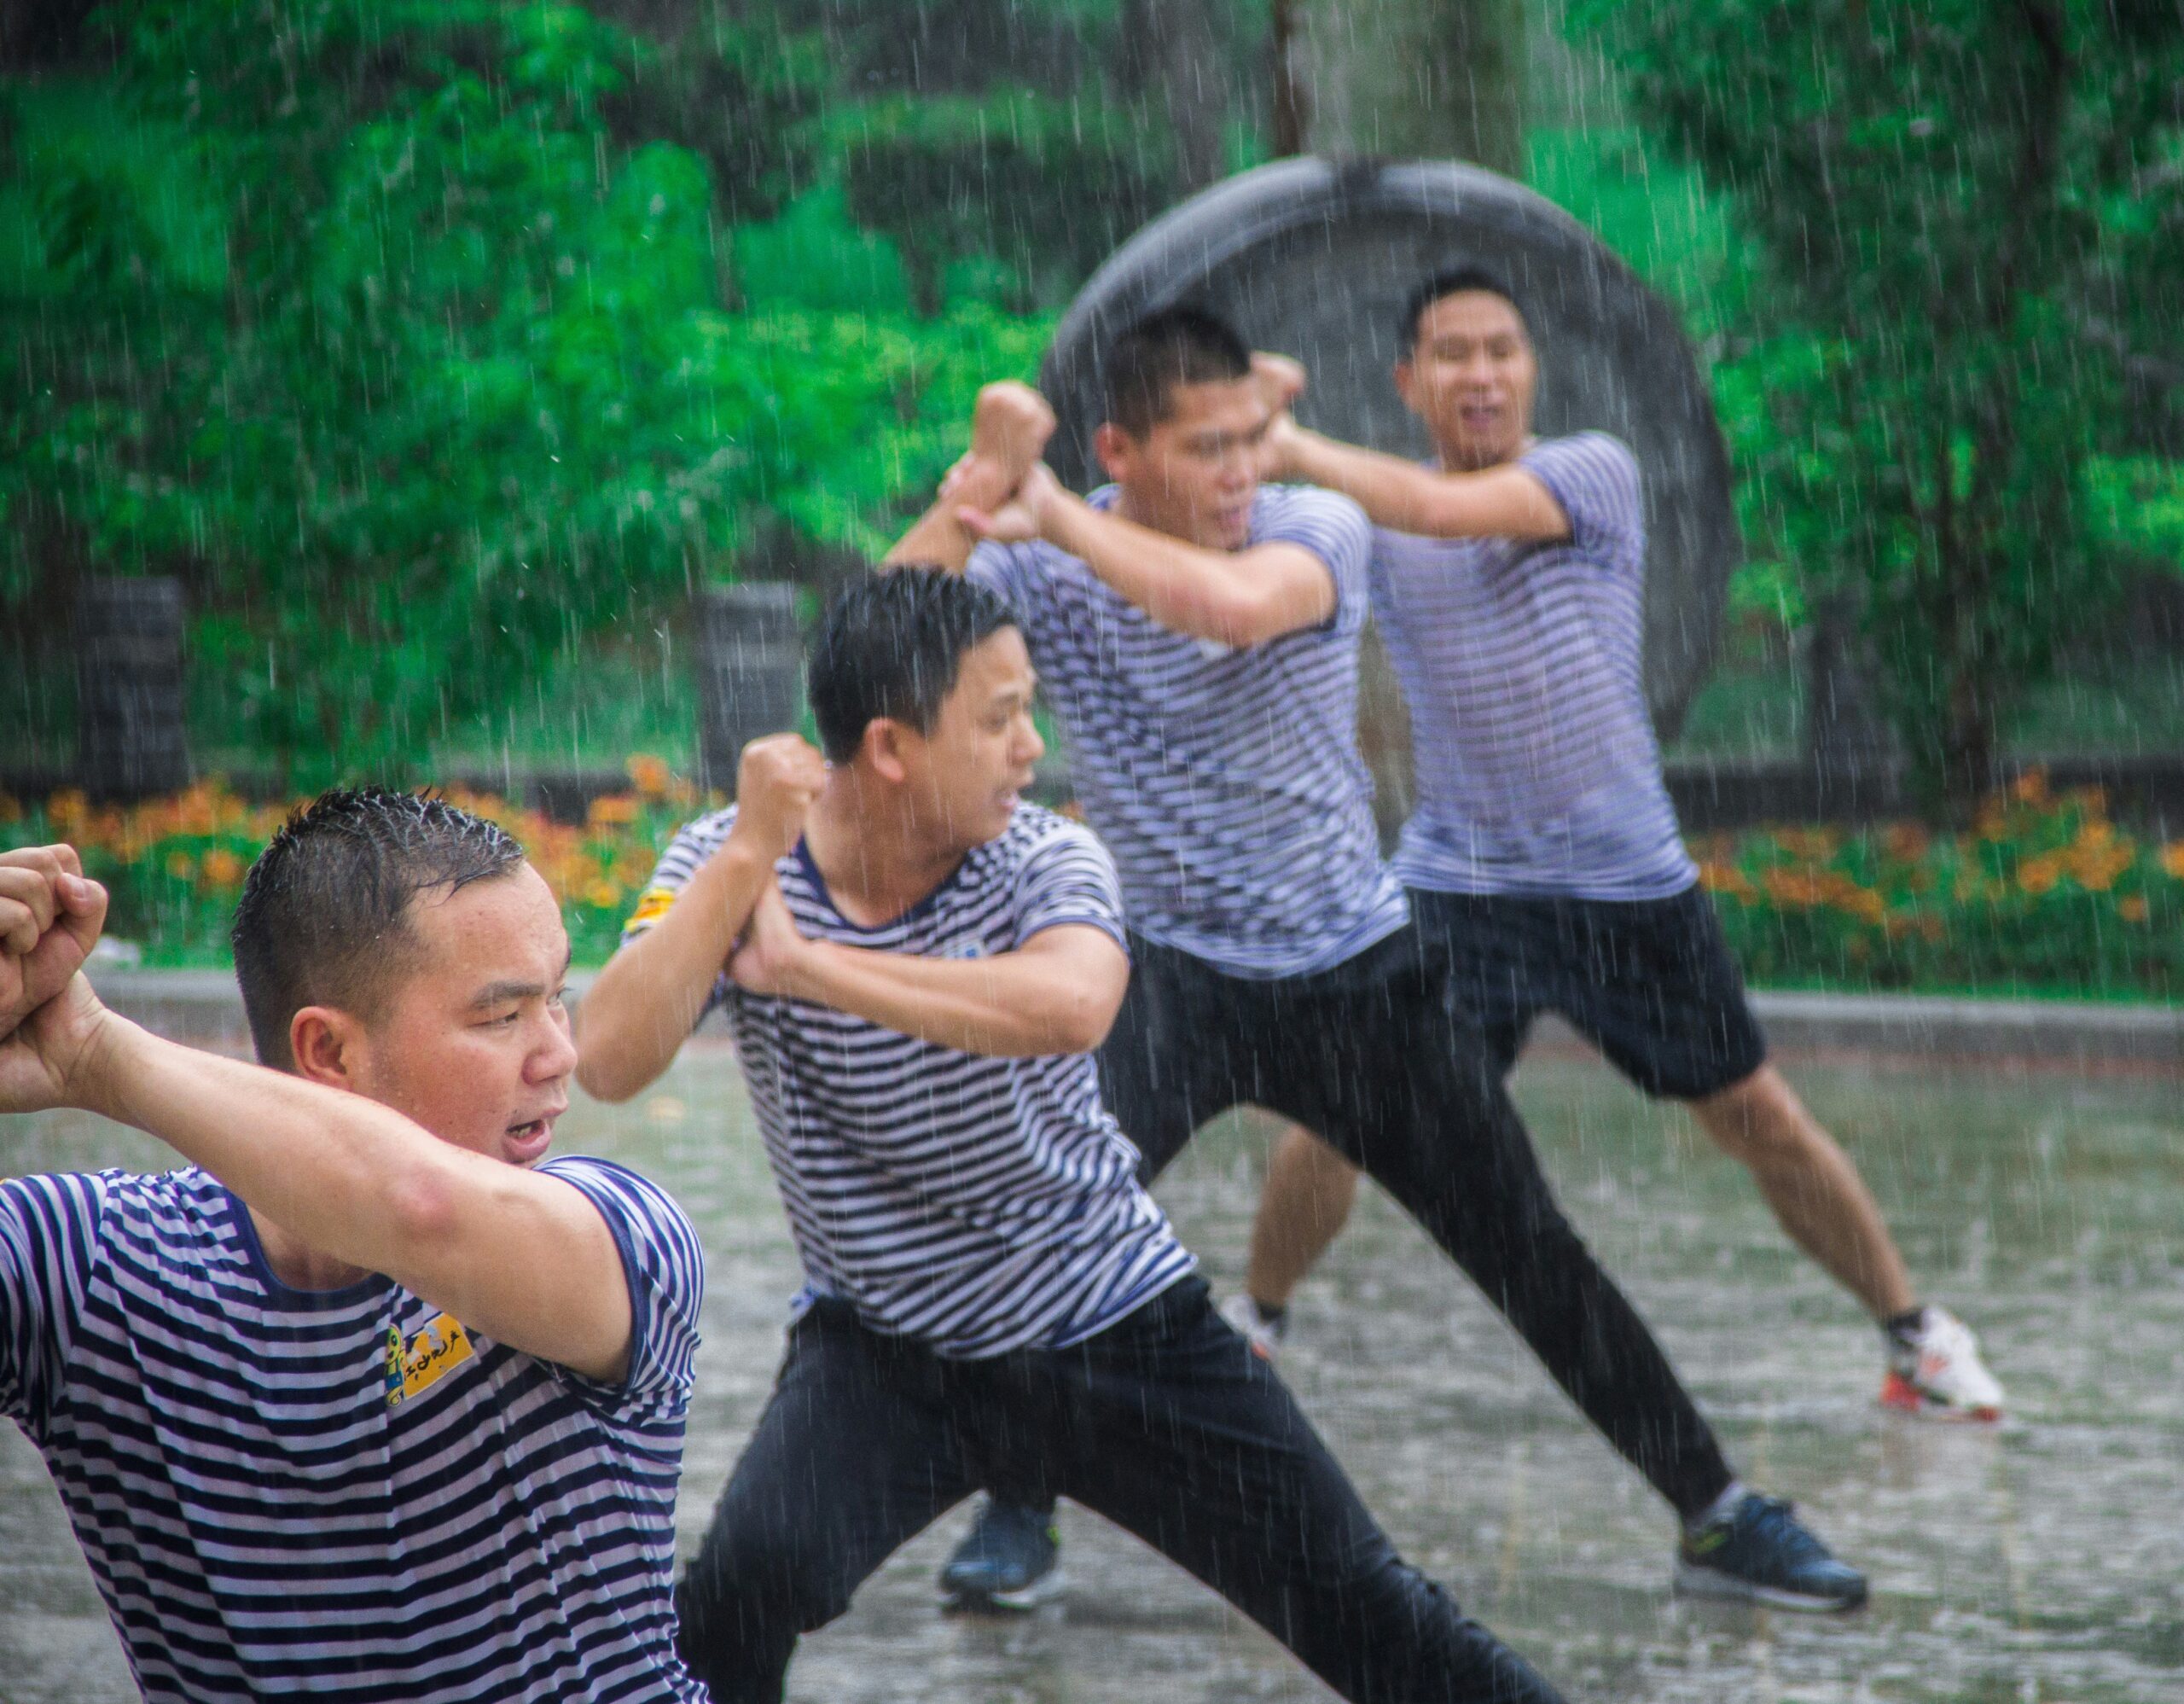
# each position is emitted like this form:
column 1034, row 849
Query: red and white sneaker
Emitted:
column 1935, row 1371
column 1263, row 1333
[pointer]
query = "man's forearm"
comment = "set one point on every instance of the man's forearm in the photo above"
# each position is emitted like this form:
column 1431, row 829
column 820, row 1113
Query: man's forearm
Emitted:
column 646, row 1002
column 524, row 1258
column 1503, row 502
column 1183, row 586
column 1014, row 1005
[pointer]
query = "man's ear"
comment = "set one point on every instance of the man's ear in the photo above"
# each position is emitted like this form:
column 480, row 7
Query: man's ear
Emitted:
column 327, row 1046
column 1405, row 384
column 1115, row 448
column 887, row 748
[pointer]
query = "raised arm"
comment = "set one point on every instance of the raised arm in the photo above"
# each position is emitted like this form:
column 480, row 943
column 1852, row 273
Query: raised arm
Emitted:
column 1507, row 502
column 1057, row 993
column 654, row 989
column 1239, row 597
column 520, row 1256
column 1009, row 430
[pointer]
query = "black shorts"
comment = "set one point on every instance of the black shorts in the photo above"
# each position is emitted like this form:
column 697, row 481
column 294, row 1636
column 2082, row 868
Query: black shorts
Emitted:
column 1651, row 982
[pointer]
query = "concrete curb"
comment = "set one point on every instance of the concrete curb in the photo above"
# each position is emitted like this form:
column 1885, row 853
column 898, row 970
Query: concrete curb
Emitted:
column 204, row 1005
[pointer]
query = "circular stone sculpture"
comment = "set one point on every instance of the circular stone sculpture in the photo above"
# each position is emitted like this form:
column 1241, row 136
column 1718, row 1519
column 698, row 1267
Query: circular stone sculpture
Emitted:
column 1314, row 258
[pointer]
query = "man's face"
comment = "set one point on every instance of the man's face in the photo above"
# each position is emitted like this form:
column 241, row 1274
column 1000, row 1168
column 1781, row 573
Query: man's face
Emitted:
column 474, row 1042
column 1193, row 474
column 971, row 768
column 1471, row 378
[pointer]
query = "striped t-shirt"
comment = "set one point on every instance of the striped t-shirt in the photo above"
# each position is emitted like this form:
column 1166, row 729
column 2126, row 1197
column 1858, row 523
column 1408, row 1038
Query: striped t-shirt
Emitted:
column 1226, row 780
column 978, row 1204
column 344, row 1494
column 1523, row 665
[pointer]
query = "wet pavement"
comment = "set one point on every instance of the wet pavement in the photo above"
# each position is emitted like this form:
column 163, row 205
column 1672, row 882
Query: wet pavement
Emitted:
column 2035, row 1563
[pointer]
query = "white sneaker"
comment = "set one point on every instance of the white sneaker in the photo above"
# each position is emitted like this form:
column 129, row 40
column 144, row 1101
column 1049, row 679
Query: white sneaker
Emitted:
column 1937, row 1372
column 1264, row 1335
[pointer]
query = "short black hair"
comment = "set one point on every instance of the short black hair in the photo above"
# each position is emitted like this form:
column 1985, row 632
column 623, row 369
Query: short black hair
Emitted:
column 1178, row 346
column 1451, row 281
column 892, row 645
column 324, row 915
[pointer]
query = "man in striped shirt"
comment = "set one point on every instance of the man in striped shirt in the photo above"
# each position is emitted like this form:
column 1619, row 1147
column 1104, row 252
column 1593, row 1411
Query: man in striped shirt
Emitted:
column 917, row 965
column 1544, row 857
column 1197, row 632
column 370, row 1401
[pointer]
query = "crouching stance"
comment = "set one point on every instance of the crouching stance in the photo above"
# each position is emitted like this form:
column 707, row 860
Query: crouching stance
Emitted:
column 918, row 966
column 365, row 1403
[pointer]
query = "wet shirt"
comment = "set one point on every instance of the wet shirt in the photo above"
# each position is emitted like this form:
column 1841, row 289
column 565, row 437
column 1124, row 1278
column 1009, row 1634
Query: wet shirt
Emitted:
column 345, row 1494
column 981, row 1205
column 1226, row 780
column 1523, row 668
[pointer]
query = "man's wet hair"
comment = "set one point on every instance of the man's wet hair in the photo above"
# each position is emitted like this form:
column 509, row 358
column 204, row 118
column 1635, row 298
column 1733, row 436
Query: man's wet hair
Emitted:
column 324, row 918
column 892, row 645
column 1453, row 280
column 1179, row 346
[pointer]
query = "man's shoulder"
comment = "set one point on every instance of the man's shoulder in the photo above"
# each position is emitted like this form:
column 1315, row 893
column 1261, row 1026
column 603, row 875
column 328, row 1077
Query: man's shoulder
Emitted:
column 1035, row 830
column 650, row 1205
column 1593, row 455
column 1287, row 506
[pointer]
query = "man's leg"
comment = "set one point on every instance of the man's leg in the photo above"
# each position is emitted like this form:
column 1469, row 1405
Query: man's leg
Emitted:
column 1401, row 1083
column 1164, row 1070
column 1170, row 1427
column 855, row 1454
column 1812, row 1186
column 1309, row 1192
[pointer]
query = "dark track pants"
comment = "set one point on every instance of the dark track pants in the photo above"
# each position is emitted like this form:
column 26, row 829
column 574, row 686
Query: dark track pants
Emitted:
column 1376, row 1058
column 1165, row 1423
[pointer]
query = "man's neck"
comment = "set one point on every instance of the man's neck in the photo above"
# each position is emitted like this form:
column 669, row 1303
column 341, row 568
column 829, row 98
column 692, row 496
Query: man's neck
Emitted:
column 876, row 857
column 298, row 1265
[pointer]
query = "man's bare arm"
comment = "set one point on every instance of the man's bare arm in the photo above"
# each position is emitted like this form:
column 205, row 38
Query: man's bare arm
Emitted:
column 642, row 1007
column 1057, row 993
column 523, row 1257
column 1239, row 597
column 1507, row 502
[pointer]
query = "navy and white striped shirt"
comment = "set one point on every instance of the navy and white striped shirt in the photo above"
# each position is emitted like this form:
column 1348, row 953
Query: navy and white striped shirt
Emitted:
column 343, row 1493
column 981, row 1205
column 1523, row 665
column 1226, row 780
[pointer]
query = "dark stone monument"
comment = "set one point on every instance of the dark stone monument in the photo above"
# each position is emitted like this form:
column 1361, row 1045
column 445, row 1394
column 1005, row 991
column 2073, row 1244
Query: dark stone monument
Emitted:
column 131, row 731
column 1314, row 258
column 750, row 673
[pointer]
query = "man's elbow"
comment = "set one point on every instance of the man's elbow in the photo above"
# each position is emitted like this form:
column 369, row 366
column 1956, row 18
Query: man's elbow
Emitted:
column 605, row 1077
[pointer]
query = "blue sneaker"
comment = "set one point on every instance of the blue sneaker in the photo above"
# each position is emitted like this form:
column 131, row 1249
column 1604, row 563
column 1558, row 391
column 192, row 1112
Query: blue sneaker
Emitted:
column 1009, row 1561
column 1759, row 1552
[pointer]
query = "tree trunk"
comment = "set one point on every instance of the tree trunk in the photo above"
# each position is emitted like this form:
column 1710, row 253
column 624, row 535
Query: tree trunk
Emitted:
column 1412, row 78
column 1430, row 79
column 1174, row 66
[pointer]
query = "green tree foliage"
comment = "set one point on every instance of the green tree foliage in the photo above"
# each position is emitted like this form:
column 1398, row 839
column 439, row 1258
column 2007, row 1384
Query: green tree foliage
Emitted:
column 464, row 387
column 1968, row 216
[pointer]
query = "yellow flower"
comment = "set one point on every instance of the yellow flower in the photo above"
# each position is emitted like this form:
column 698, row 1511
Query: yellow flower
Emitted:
column 223, row 868
column 613, row 809
column 2171, row 859
column 180, row 866
column 2030, row 787
column 2133, row 909
column 649, row 775
column 2036, row 875
column 606, row 895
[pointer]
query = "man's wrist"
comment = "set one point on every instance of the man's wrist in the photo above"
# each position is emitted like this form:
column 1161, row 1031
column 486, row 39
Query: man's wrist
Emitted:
column 112, row 1060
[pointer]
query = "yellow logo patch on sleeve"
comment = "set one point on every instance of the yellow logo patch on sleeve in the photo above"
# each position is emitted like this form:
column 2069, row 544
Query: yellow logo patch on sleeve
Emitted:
column 653, row 904
column 425, row 1359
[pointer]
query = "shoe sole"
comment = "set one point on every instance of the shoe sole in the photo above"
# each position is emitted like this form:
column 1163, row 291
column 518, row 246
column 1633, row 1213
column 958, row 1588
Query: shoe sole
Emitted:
column 1045, row 1589
column 1693, row 1580
column 1899, row 1394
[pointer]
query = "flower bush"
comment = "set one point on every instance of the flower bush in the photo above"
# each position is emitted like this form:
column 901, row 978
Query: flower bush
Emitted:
column 175, row 866
column 2044, row 894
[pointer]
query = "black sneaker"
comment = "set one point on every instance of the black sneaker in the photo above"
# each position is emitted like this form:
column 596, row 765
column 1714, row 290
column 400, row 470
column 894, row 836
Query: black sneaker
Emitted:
column 1761, row 1553
column 1009, row 1561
